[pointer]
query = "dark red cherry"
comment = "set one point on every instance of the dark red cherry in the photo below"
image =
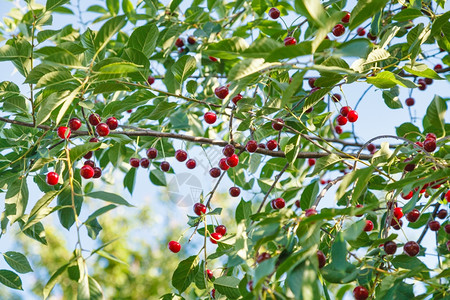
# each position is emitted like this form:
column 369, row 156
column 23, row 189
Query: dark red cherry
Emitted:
column 165, row 166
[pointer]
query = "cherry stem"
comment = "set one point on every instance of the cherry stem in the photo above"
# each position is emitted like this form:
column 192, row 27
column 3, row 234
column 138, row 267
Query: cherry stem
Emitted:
column 272, row 187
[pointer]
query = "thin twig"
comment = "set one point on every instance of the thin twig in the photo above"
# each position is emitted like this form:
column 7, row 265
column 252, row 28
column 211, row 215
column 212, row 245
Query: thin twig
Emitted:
column 271, row 188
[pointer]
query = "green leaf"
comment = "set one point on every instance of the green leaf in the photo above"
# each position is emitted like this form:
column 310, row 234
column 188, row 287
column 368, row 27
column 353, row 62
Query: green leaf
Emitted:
column 46, row 34
column 228, row 286
column 110, row 197
column 43, row 202
column 184, row 274
column 301, row 49
column 144, row 39
column 16, row 199
column 408, row 130
column 10, row 279
column 107, row 31
column 361, row 176
column 261, row 48
column 44, row 75
column 303, row 281
column 163, row 109
column 312, row 10
column 78, row 151
column 129, row 180
column 421, row 70
column 309, row 195
column 139, row 98
column 48, row 105
column 17, row 261
column 324, row 162
column 227, row 48
column 52, row 4
column 247, row 67
column 243, row 211
column 54, row 279
column 364, row 10
column 292, row 148
column 407, row 14
column 93, row 228
column 122, row 67
column 259, row 6
column 434, row 120
column 377, row 55
column 391, row 98
column 386, row 80
column 184, row 68
column 66, row 104
column 113, row 6
column 158, row 177
column 100, row 212
column 95, row 290
column 406, row 262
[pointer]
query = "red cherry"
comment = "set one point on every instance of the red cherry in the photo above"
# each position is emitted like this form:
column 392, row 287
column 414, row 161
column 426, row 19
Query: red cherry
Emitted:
column 151, row 80
column 88, row 155
column 180, row 155
column 338, row 129
column 213, row 292
column 369, row 226
column 191, row 164
column 274, row 13
column 278, row 203
column 346, row 18
column 398, row 213
column 234, row 191
column 448, row 245
column 87, row 172
column 396, row 224
column 311, row 162
column 272, row 144
column 191, row 40
column 447, row 228
column 102, row 129
column 311, row 82
column 429, row 145
column 74, row 124
column 434, row 225
column 422, row 85
column 360, row 293
column 214, row 172
column 233, row 160
column 437, row 67
column 338, row 30
column 221, row 92
column 134, row 162
column 359, row 206
column 413, row 215
column 344, row 110
column 262, row 257
column 236, row 99
column 144, row 162
column 165, row 166
column 360, row 31
column 289, row 41
column 210, row 274
column 310, row 212
column 64, row 132
column 251, row 146
column 213, row 59
column 428, row 81
column 371, row 147
column 210, row 117
column 447, row 196
column 52, row 178
column 431, row 136
column 112, row 123
column 94, row 119
column 223, row 164
column 336, row 97
column 262, row 146
column 278, row 124
column 221, row 229
column 411, row 248
column 97, row 172
column 94, row 140
column 199, row 209
column 228, row 150
column 152, row 153
column 390, row 247
column 341, row 120
column 179, row 43
column 407, row 196
column 215, row 237
column 352, row 116
column 441, row 214
column 174, row 246
column 371, row 36
column 321, row 258
column 129, row 111
column 89, row 163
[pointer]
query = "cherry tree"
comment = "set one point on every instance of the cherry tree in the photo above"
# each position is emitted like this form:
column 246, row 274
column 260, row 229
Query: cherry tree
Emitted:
column 257, row 90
